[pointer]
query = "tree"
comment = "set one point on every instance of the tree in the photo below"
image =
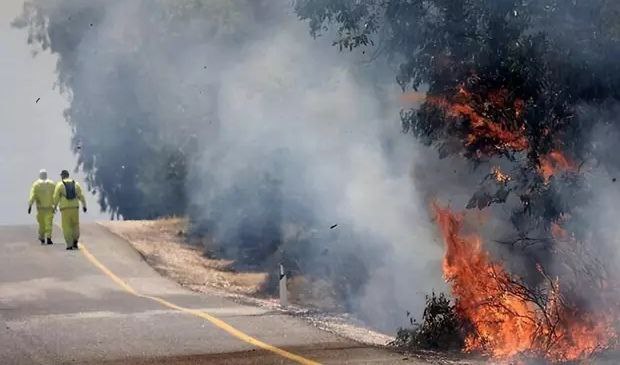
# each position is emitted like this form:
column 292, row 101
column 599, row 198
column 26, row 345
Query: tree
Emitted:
column 504, row 82
column 517, row 88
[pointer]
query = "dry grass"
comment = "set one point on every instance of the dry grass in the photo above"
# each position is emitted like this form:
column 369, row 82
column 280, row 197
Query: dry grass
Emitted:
column 163, row 245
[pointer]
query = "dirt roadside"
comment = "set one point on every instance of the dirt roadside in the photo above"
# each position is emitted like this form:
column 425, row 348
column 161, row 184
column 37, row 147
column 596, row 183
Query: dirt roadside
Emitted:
column 162, row 244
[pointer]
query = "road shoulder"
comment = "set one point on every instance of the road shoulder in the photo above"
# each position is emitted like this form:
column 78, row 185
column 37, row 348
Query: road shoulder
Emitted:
column 161, row 244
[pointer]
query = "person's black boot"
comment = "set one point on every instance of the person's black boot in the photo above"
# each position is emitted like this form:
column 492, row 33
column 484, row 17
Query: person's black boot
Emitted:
column 75, row 245
column 69, row 248
column 42, row 241
column 49, row 241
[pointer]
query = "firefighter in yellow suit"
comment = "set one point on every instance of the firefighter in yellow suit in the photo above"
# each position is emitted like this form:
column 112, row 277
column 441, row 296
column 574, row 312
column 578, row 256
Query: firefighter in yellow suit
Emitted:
column 42, row 194
column 67, row 197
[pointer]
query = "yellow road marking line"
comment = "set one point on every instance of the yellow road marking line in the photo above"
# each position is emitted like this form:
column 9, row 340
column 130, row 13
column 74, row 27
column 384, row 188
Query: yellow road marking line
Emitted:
column 198, row 313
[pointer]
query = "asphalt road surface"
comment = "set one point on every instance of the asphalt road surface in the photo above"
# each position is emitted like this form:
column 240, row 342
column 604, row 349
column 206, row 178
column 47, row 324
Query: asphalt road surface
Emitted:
column 104, row 305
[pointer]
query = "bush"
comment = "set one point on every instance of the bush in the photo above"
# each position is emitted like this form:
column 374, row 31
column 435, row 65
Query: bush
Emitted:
column 441, row 327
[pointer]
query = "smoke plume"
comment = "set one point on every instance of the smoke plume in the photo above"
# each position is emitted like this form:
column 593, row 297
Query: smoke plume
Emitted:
column 230, row 112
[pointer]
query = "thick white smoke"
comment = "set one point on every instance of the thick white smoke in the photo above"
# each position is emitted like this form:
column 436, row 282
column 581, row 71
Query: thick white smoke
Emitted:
column 292, row 108
column 290, row 133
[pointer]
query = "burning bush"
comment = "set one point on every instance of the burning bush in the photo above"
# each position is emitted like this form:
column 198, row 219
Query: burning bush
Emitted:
column 501, row 314
column 512, row 317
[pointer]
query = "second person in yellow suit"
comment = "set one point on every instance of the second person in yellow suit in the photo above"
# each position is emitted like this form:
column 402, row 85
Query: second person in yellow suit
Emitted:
column 42, row 194
column 67, row 197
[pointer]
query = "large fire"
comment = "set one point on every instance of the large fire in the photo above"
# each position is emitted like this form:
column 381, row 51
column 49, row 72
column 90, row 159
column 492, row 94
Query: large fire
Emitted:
column 507, row 317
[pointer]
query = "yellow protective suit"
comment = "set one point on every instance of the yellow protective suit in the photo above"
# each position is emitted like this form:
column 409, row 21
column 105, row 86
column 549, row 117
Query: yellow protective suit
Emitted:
column 42, row 194
column 70, row 211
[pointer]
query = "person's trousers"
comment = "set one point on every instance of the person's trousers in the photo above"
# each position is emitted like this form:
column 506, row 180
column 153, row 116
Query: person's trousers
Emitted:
column 71, row 225
column 45, row 218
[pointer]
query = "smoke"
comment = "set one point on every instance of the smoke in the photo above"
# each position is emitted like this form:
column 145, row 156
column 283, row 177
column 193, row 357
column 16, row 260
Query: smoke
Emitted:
column 600, row 207
column 229, row 111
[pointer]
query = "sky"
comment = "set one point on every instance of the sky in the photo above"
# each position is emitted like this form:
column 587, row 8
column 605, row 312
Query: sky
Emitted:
column 34, row 135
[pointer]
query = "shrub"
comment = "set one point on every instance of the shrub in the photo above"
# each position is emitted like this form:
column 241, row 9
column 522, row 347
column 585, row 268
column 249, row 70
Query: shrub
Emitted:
column 440, row 329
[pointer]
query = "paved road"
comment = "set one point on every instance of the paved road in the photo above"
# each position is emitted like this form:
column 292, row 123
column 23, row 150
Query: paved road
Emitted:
column 104, row 305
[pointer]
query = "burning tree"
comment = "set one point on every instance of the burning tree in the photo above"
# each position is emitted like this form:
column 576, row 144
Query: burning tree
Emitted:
column 503, row 80
column 521, row 85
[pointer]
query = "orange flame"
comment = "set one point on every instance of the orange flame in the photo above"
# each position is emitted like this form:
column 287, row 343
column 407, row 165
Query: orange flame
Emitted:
column 500, row 176
column 506, row 321
column 482, row 127
column 555, row 162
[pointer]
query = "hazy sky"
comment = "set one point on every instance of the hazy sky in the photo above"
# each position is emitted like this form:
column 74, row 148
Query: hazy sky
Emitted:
column 33, row 135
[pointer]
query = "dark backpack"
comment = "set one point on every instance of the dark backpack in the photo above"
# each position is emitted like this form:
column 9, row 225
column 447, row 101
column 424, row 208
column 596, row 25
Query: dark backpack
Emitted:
column 70, row 193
